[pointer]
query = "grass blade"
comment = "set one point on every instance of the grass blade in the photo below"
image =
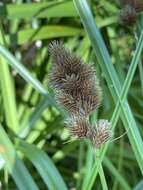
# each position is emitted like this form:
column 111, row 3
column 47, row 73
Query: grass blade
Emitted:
column 26, row 127
column 27, row 76
column 14, row 165
column 44, row 165
column 139, row 186
column 45, row 32
column 102, row 178
column 39, row 10
column 22, row 70
column 7, row 90
column 116, row 174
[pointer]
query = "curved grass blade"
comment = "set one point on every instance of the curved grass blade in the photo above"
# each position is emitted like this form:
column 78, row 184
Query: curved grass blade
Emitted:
column 14, row 165
column 44, row 32
column 8, row 91
column 22, row 70
column 139, row 186
column 44, row 165
column 26, row 127
column 25, row 74
column 39, row 10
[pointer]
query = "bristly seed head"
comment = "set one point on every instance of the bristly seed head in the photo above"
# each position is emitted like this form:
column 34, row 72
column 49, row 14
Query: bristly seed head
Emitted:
column 78, row 91
column 78, row 126
column 71, row 77
column 68, row 102
column 100, row 133
column 136, row 4
column 129, row 11
column 128, row 15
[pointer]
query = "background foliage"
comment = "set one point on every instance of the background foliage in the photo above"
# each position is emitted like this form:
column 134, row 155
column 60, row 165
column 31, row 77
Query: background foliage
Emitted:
column 32, row 134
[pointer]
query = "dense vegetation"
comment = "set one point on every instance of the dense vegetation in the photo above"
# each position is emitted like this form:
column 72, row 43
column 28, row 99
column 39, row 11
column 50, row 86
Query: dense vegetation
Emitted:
column 36, row 150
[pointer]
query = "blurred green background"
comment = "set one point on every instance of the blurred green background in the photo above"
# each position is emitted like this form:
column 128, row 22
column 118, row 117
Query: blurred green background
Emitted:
column 33, row 149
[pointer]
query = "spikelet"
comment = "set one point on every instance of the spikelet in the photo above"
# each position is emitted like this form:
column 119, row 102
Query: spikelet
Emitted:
column 78, row 91
column 137, row 4
column 67, row 101
column 78, row 126
column 100, row 133
column 128, row 15
column 92, row 97
column 71, row 77
column 130, row 8
column 64, row 65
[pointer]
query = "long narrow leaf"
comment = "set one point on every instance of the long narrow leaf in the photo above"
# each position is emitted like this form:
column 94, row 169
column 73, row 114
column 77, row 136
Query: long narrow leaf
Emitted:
column 44, row 32
column 8, row 92
column 44, row 165
column 39, row 10
column 15, row 166
column 22, row 70
column 116, row 174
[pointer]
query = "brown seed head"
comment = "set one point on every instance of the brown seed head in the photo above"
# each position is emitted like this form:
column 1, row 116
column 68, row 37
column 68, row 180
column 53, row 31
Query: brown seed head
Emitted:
column 130, row 8
column 136, row 4
column 100, row 133
column 128, row 15
column 74, row 78
column 69, row 103
column 78, row 126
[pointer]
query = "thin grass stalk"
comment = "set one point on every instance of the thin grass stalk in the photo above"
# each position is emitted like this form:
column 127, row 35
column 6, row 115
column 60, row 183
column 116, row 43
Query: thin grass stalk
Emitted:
column 14, row 165
column 120, row 158
column 102, row 178
column 27, row 126
column 22, row 70
column 116, row 174
column 8, row 91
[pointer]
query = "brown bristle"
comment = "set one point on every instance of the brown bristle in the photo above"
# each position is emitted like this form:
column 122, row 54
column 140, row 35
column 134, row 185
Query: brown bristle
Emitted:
column 78, row 126
column 128, row 15
column 139, row 6
column 100, row 133
column 74, row 78
column 130, row 8
column 67, row 101
column 78, row 91
column 136, row 4
column 64, row 59
column 127, row 2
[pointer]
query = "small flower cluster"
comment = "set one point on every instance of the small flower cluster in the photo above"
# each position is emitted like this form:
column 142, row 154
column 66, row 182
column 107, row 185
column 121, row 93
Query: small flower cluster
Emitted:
column 77, row 89
column 129, row 11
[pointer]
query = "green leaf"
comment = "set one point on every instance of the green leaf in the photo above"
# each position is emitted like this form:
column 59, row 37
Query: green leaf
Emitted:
column 39, row 10
column 22, row 70
column 139, row 186
column 8, row 95
column 8, row 92
column 116, row 174
column 26, row 75
column 44, row 32
column 44, row 166
column 14, row 165
column 102, row 178
column 26, row 127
